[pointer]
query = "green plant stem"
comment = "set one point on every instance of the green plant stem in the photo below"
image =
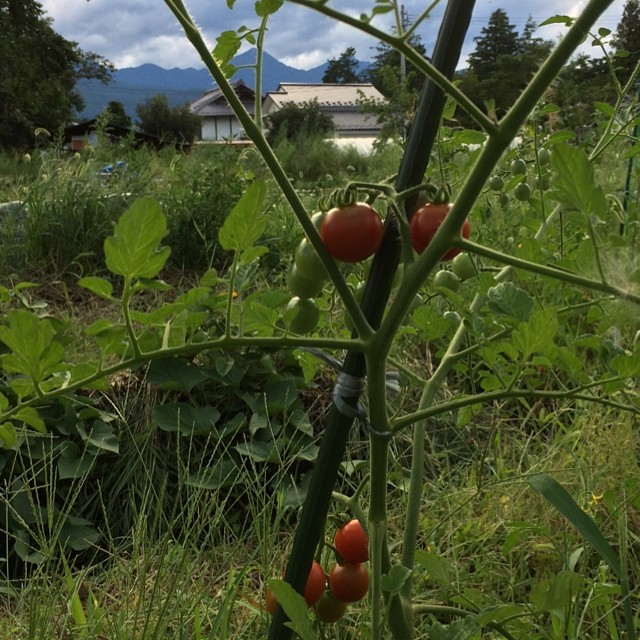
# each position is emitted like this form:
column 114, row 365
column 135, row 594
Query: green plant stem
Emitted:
column 144, row 357
column 552, row 272
column 377, row 521
column 492, row 396
column 126, row 312
column 444, row 610
column 255, row 134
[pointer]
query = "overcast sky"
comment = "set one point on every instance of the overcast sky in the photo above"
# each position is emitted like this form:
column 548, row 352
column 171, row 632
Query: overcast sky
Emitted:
column 133, row 32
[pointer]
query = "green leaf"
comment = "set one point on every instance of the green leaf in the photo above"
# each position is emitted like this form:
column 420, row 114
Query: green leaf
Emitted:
column 605, row 109
column 574, row 182
column 458, row 630
column 30, row 416
column 558, row 496
column 265, row 8
column 246, row 223
column 134, row 251
column 186, row 419
column 556, row 592
column 228, row 43
column 507, row 299
column 33, row 349
column 223, row 473
column 393, row 582
column 99, row 286
column 102, row 437
column 8, row 437
column 537, row 335
column 295, row 607
column 566, row 20
column 175, row 374
column 437, row 567
column 74, row 463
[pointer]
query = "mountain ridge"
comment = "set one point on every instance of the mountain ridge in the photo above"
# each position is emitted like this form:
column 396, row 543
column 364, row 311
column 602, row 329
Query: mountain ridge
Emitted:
column 134, row 85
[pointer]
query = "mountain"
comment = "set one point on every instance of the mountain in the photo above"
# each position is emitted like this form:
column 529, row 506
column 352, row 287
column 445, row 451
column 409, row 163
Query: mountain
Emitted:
column 134, row 85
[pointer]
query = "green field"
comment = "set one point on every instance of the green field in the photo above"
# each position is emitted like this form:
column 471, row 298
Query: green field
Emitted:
column 175, row 431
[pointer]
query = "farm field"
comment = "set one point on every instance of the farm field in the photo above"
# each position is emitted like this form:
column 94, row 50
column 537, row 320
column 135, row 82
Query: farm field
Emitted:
column 212, row 361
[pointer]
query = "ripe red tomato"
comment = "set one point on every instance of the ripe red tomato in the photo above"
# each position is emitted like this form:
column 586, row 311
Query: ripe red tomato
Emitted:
column 315, row 587
column 426, row 221
column 351, row 543
column 349, row 582
column 329, row 609
column 352, row 233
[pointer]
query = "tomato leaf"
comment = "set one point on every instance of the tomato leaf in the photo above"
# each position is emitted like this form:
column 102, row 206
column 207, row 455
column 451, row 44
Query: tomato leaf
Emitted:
column 507, row 299
column 246, row 222
column 295, row 607
column 133, row 251
column 265, row 8
column 99, row 286
column 574, row 182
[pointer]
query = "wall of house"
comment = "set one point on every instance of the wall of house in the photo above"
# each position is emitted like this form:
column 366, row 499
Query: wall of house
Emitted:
column 220, row 128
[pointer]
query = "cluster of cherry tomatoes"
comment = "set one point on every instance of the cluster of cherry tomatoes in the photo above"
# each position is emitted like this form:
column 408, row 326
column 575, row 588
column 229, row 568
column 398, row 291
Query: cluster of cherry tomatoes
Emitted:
column 347, row 581
column 351, row 233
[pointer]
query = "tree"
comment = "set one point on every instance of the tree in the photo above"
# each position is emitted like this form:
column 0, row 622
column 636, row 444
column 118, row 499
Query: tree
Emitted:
column 38, row 73
column 499, row 38
column 400, row 83
column 169, row 124
column 344, row 69
column 115, row 114
column 295, row 121
column 627, row 40
column 503, row 62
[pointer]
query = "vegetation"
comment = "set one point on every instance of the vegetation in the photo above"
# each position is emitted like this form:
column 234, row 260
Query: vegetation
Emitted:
column 172, row 446
column 169, row 124
column 38, row 73
column 298, row 122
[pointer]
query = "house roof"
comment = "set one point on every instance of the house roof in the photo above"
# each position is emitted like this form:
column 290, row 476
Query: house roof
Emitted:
column 332, row 97
column 213, row 103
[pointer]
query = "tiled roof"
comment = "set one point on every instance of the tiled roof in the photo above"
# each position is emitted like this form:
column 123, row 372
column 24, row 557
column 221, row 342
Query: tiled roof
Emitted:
column 327, row 95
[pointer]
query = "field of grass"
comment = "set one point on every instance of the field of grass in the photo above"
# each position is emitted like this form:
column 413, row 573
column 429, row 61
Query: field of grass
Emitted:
column 131, row 535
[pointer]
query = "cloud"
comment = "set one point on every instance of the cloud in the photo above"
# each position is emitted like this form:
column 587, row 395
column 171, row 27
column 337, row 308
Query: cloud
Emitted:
column 134, row 32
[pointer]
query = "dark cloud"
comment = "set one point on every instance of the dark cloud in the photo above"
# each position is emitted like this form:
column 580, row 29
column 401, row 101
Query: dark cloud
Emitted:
column 133, row 32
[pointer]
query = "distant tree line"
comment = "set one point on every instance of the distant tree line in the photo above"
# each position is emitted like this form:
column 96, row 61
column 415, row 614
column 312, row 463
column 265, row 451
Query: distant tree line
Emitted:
column 499, row 68
column 39, row 70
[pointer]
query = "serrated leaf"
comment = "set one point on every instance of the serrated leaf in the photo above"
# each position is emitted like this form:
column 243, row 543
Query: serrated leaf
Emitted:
column 265, row 8
column 8, row 436
column 227, row 45
column 574, row 182
column 393, row 582
column 246, row 222
column 99, row 286
column 437, row 567
column 537, row 335
column 566, row 20
column 605, row 109
column 33, row 349
column 134, row 251
column 295, row 607
column 507, row 299
column 186, row 419
column 30, row 416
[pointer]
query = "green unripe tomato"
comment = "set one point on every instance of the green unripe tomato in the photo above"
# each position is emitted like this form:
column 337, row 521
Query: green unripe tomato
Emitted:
column 306, row 317
column 301, row 286
column 504, row 200
column 462, row 265
column 544, row 156
column 308, row 262
column 452, row 316
column 518, row 167
column 317, row 219
column 330, row 609
column 446, row 279
column 522, row 192
column 496, row 183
